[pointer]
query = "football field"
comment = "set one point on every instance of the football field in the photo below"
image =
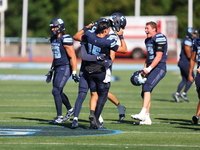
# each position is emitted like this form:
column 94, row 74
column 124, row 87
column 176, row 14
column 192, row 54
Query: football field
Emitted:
column 27, row 106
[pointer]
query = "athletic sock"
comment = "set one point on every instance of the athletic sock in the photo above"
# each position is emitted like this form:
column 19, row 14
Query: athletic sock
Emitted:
column 120, row 108
column 177, row 93
column 75, row 118
column 92, row 112
column 143, row 111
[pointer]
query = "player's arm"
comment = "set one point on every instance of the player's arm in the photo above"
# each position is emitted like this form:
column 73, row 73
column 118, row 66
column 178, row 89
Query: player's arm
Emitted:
column 88, row 57
column 159, row 48
column 192, row 63
column 112, row 55
column 78, row 35
column 122, row 48
column 71, row 53
column 187, row 50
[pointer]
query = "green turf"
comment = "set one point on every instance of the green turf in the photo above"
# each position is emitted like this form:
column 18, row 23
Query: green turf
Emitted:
column 30, row 103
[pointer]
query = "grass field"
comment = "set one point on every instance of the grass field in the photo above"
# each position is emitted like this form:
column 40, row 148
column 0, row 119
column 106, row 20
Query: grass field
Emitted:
column 30, row 103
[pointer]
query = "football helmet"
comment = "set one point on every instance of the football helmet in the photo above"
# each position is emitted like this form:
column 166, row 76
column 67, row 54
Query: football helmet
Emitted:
column 117, row 21
column 137, row 79
column 189, row 32
column 100, row 20
column 57, row 22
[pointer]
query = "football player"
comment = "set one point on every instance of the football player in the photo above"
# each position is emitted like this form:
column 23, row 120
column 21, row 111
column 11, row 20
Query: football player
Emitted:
column 64, row 65
column 193, row 60
column 183, row 63
column 99, row 42
column 154, row 69
column 83, row 86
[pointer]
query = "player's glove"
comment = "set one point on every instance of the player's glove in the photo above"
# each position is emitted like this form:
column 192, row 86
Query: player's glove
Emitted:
column 105, row 63
column 49, row 76
column 101, row 57
column 75, row 77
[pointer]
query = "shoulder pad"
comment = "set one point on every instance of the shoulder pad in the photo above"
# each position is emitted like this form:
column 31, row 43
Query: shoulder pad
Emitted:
column 67, row 39
column 159, row 38
column 112, row 37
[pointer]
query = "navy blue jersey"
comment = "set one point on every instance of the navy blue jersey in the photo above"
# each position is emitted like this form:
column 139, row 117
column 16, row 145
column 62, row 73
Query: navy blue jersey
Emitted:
column 158, row 43
column 183, row 56
column 96, row 45
column 59, row 52
column 196, row 47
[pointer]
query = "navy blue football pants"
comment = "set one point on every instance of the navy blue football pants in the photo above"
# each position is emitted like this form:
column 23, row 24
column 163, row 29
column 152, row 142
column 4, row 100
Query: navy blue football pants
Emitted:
column 61, row 76
column 184, row 69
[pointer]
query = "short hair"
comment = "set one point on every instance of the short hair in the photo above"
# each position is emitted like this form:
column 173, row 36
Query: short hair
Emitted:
column 102, row 26
column 153, row 25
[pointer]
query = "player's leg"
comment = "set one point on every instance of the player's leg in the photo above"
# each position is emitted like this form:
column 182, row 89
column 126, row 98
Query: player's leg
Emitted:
column 121, row 109
column 83, row 89
column 57, row 96
column 195, row 118
column 152, row 80
column 147, row 120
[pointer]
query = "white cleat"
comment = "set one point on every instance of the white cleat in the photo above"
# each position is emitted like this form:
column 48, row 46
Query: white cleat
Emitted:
column 139, row 117
column 146, row 122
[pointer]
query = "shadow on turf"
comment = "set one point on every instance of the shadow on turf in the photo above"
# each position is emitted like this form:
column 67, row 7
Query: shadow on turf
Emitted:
column 167, row 100
column 176, row 121
column 181, row 122
column 66, row 124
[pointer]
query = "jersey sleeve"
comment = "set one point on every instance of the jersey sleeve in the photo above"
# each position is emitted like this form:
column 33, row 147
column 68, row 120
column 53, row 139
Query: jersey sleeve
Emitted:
column 113, row 42
column 188, row 42
column 67, row 40
column 160, row 42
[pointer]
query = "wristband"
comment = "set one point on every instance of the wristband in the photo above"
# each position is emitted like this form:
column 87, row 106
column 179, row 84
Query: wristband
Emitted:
column 85, row 29
column 148, row 68
column 73, row 72
column 121, row 37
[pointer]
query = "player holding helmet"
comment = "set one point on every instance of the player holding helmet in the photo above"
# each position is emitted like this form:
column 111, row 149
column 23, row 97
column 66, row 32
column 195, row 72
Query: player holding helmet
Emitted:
column 63, row 64
column 193, row 59
column 183, row 64
column 154, row 69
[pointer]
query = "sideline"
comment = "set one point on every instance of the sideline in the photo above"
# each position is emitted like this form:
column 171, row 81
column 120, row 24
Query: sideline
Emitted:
column 128, row 66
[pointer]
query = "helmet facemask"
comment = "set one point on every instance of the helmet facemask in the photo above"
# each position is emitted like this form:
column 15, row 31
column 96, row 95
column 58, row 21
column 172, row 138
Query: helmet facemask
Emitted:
column 117, row 21
column 56, row 22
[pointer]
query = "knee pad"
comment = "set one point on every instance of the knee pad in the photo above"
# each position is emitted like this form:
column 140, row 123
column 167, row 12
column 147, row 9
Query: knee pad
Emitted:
column 56, row 91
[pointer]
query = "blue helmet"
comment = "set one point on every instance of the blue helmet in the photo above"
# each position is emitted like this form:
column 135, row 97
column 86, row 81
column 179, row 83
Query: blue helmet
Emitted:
column 189, row 32
column 136, row 78
column 100, row 20
column 57, row 22
column 117, row 21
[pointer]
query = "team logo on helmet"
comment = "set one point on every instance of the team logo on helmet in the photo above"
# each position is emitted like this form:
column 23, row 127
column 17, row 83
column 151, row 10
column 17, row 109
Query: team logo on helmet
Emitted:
column 189, row 32
column 117, row 21
column 57, row 22
column 137, row 79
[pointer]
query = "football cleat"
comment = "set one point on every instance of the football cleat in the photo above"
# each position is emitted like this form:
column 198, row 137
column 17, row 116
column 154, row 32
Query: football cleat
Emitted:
column 93, row 122
column 184, row 96
column 176, row 97
column 143, row 123
column 74, row 124
column 101, row 127
column 121, row 117
column 139, row 117
column 69, row 114
column 195, row 119
column 57, row 120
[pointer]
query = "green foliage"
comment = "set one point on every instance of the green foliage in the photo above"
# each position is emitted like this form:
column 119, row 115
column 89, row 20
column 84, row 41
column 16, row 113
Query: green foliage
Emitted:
column 41, row 12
